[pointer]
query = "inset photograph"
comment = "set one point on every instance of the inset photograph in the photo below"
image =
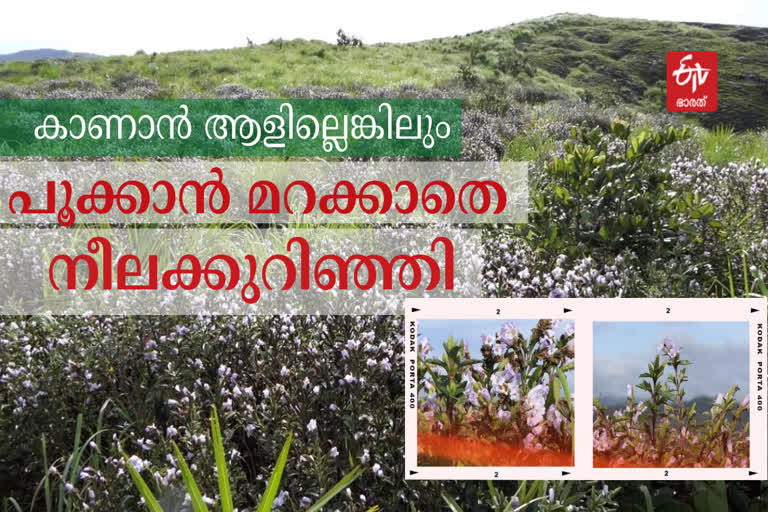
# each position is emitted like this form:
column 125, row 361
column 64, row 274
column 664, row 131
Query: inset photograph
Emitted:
column 495, row 392
column 671, row 394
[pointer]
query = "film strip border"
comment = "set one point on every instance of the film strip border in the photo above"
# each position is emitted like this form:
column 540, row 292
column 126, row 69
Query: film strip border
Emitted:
column 584, row 313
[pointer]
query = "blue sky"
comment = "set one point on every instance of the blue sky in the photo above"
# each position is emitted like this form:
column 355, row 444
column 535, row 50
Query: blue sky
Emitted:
column 108, row 29
column 470, row 331
column 718, row 351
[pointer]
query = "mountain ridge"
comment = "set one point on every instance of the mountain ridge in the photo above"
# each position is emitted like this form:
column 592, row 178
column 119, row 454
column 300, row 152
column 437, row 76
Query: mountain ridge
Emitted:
column 44, row 53
column 612, row 61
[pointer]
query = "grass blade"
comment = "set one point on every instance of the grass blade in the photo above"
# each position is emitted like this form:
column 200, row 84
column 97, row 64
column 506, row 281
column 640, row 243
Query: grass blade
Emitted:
column 336, row 489
column 274, row 481
column 77, row 452
column 452, row 505
column 731, row 287
column 15, row 504
column 648, row 500
column 47, row 479
column 528, row 503
column 746, row 274
column 70, row 466
column 221, row 465
column 495, row 496
column 189, row 481
column 149, row 499
column 95, row 459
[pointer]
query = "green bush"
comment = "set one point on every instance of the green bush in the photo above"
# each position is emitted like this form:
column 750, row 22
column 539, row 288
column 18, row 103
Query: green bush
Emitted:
column 604, row 196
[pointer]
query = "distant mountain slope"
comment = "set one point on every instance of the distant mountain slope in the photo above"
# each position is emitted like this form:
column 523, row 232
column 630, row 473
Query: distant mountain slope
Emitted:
column 42, row 53
column 624, row 60
column 607, row 60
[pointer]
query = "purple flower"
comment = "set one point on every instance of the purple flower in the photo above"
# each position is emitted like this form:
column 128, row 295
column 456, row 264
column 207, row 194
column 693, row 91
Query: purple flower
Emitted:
column 508, row 333
column 557, row 293
column 424, row 346
column 535, row 404
column 555, row 417
column 669, row 348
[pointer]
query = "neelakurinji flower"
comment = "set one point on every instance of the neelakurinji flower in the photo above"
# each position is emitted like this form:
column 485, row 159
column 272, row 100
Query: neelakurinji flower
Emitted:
column 555, row 417
column 507, row 382
column 508, row 333
column 670, row 348
column 424, row 347
column 535, row 404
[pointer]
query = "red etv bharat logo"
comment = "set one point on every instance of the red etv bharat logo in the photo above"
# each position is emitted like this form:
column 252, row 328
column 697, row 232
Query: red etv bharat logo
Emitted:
column 692, row 81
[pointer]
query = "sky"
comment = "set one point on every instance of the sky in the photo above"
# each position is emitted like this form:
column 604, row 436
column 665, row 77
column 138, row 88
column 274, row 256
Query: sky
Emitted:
column 718, row 352
column 109, row 28
column 470, row 331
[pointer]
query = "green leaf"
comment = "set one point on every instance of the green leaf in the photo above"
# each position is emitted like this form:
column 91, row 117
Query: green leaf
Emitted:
column 524, row 505
column 221, row 465
column 452, row 505
column 15, row 504
column 70, row 468
column 149, row 499
column 274, row 480
column 47, row 480
column 710, row 496
column 648, row 500
column 189, row 481
column 495, row 495
column 564, row 384
column 336, row 489
column 555, row 390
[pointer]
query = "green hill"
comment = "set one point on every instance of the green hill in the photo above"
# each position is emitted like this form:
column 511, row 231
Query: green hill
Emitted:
column 605, row 60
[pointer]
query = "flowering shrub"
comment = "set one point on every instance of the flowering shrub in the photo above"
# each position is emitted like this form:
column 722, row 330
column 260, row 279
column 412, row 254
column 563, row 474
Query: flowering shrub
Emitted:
column 332, row 380
column 143, row 383
column 603, row 196
column 516, row 393
column 662, row 431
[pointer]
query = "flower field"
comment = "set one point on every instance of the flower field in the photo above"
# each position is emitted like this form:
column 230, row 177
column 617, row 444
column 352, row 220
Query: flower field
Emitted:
column 510, row 407
column 663, row 430
column 626, row 200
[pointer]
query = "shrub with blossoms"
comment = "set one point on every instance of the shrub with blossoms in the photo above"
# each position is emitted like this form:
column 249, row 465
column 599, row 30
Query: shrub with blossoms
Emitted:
column 336, row 382
column 663, row 431
column 515, row 392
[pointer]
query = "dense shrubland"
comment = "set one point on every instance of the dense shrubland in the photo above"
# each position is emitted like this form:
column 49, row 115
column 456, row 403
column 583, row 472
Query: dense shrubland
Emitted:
column 513, row 395
column 663, row 431
column 626, row 201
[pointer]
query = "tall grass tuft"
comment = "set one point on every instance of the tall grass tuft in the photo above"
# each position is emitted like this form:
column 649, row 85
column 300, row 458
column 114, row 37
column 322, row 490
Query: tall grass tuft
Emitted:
column 225, row 492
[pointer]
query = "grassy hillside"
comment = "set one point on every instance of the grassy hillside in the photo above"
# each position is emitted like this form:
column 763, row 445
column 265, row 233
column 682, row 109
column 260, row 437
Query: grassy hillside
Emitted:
column 605, row 60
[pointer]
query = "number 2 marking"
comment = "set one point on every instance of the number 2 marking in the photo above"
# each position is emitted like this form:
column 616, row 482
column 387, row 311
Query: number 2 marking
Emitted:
column 495, row 474
column 498, row 311
column 668, row 310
